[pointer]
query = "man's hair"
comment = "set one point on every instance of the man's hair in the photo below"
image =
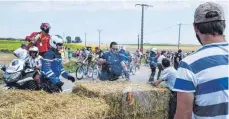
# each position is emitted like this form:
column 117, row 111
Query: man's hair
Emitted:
column 165, row 62
column 212, row 28
column 179, row 51
column 163, row 52
column 113, row 43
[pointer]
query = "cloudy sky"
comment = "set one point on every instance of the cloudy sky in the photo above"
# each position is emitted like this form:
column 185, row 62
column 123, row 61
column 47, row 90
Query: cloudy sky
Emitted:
column 120, row 20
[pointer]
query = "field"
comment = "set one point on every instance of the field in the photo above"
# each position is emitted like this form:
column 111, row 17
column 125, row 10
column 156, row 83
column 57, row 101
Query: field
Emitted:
column 185, row 48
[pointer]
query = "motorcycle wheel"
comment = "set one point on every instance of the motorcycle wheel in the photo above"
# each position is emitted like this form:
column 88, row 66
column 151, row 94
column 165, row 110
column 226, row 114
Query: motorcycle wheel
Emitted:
column 31, row 85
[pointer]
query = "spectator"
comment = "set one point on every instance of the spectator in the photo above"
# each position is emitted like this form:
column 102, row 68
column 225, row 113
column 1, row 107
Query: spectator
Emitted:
column 69, row 54
column 178, row 57
column 202, row 81
column 169, row 75
column 21, row 52
column 159, row 61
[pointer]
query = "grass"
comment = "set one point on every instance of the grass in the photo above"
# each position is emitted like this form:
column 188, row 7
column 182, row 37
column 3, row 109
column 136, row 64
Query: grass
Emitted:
column 11, row 45
column 70, row 66
column 163, row 44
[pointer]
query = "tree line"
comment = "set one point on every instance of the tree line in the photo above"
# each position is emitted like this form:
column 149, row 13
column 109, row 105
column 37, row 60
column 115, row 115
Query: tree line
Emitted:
column 68, row 39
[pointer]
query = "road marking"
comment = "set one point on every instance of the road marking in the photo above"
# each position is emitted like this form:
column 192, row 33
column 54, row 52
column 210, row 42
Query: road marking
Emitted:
column 66, row 90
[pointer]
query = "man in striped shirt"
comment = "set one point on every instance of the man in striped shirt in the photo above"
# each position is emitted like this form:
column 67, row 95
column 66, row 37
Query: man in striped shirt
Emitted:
column 202, row 82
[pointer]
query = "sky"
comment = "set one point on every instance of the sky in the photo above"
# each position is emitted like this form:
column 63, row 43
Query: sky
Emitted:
column 119, row 20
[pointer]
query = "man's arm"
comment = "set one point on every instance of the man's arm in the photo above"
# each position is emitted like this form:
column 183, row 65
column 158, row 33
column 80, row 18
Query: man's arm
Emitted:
column 184, row 105
column 185, row 88
column 101, row 61
column 156, row 83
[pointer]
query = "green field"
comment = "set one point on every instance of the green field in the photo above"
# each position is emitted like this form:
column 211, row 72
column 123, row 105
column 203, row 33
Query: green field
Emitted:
column 11, row 45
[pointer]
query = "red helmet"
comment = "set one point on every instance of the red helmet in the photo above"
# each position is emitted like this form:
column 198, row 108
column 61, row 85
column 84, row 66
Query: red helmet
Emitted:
column 45, row 27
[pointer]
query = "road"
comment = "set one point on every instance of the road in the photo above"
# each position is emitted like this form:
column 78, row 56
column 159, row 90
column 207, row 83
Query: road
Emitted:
column 141, row 76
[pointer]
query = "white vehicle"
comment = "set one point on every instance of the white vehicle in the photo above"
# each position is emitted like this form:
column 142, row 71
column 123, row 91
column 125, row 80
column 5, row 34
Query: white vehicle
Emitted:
column 17, row 76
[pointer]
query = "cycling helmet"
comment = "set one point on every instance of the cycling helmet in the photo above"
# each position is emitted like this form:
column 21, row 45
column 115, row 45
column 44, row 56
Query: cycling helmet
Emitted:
column 56, row 40
column 33, row 49
column 45, row 27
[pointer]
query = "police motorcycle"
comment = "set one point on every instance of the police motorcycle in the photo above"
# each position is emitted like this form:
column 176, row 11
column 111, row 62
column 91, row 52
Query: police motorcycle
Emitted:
column 17, row 76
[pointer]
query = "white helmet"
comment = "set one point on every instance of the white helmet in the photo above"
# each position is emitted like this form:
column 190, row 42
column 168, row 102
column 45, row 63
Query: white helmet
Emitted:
column 122, row 47
column 56, row 39
column 154, row 49
column 33, row 49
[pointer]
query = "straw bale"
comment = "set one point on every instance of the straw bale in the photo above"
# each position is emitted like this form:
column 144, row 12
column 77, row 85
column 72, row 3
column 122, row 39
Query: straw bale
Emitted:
column 146, row 101
column 18, row 104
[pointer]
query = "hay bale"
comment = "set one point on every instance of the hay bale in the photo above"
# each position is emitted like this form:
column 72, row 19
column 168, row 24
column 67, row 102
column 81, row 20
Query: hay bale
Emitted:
column 16, row 104
column 146, row 101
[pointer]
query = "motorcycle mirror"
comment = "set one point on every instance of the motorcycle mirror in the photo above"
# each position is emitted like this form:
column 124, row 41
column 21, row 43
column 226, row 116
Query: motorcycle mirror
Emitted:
column 3, row 68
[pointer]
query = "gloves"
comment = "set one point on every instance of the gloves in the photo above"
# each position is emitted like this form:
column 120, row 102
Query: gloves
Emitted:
column 71, row 78
column 60, row 84
column 127, row 75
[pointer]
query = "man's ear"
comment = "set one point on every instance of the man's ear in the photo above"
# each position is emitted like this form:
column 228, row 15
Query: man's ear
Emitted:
column 195, row 29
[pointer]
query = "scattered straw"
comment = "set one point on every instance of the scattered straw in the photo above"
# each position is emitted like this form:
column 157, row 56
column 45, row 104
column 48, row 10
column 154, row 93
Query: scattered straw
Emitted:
column 148, row 102
column 40, row 105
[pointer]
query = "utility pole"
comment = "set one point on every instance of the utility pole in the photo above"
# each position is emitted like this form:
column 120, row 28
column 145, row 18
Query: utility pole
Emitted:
column 85, row 39
column 142, row 21
column 138, row 41
column 99, row 36
column 179, row 36
column 64, row 36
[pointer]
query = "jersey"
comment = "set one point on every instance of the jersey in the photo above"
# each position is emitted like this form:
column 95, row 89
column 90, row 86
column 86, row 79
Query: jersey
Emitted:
column 205, row 74
column 114, row 62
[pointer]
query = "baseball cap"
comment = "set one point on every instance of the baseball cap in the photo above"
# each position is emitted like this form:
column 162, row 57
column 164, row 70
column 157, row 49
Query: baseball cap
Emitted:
column 208, row 12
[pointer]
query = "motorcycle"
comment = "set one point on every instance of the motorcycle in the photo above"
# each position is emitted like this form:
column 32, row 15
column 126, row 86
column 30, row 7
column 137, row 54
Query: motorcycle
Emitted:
column 17, row 76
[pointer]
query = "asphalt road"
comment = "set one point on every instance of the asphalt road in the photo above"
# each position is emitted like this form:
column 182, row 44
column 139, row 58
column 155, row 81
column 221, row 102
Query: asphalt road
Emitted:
column 141, row 76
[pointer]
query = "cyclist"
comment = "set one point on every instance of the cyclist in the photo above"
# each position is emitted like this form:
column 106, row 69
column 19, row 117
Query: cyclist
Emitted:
column 113, row 64
column 98, row 52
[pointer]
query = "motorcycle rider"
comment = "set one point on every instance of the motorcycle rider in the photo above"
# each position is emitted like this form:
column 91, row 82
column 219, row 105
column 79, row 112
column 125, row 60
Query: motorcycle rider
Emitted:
column 34, row 62
column 52, row 66
column 113, row 64
column 40, row 39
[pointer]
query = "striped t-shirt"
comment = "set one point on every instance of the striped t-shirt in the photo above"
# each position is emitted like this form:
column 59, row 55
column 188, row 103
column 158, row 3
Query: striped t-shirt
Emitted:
column 205, row 73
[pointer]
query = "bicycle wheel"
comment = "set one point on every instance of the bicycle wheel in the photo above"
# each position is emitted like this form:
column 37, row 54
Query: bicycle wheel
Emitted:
column 79, row 73
column 95, row 72
column 90, row 72
column 133, row 69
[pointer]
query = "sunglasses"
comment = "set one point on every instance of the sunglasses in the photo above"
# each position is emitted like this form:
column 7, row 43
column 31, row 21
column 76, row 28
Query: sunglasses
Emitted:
column 115, row 49
column 59, row 44
column 33, row 52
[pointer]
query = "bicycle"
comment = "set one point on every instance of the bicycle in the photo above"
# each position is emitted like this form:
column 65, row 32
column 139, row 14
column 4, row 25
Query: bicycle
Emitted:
column 83, row 70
